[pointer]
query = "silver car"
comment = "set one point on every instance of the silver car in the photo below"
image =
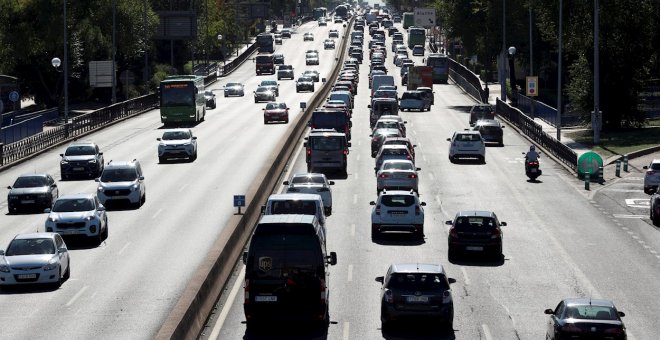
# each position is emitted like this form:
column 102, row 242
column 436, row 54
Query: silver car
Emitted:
column 34, row 259
column 392, row 152
column 264, row 93
column 397, row 174
column 467, row 144
column 234, row 89
column 177, row 143
column 652, row 177
column 78, row 214
column 312, row 183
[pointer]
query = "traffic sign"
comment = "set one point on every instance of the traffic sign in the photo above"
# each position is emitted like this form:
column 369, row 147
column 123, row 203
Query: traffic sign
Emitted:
column 532, row 86
column 425, row 17
column 239, row 200
column 14, row 96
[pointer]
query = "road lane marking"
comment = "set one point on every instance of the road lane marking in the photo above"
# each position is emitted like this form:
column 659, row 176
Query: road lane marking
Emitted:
column 431, row 176
column 75, row 297
column 183, row 187
column 643, row 203
column 346, row 330
column 621, row 190
column 465, row 275
column 358, row 157
column 123, row 248
column 350, row 273
column 215, row 333
column 353, row 230
column 486, row 332
column 628, row 216
column 354, row 198
column 157, row 213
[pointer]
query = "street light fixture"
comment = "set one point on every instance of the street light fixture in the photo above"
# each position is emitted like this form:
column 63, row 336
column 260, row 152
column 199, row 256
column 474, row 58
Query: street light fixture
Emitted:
column 56, row 62
column 512, row 75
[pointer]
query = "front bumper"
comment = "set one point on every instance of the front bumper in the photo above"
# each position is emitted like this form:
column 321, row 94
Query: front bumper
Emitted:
column 89, row 228
column 119, row 195
column 30, row 276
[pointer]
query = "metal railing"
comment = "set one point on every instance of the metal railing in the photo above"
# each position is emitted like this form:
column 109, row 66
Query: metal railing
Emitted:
column 466, row 79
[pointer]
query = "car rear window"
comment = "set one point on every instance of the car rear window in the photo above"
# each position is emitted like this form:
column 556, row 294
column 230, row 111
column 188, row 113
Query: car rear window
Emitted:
column 397, row 200
column 418, row 281
column 307, row 179
column 464, row 137
column 655, row 166
column 490, row 129
column 401, row 152
column 397, row 166
column 264, row 59
column 293, row 207
column 329, row 120
column 30, row 182
column 590, row 312
column 411, row 95
column 326, row 144
column 475, row 222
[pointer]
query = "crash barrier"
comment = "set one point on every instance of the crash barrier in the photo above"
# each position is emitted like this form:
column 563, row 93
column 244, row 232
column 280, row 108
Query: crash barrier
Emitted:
column 535, row 131
column 76, row 127
column 189, row 316
column 466, row 79
column 545, row 112
column 21, row 124
column 232, row 65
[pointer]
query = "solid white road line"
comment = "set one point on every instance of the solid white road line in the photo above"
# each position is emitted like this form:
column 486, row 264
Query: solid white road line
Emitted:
column 350, row 272
column 486, row 332
column 225, row 309
column 346, row 330
column 157, row 213
column 75, row 297
column 123, row 248
column 354, row 198
column 353, row 230
column 465, row 276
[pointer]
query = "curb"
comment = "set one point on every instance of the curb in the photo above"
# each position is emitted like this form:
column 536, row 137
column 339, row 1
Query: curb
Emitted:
column 631, row 155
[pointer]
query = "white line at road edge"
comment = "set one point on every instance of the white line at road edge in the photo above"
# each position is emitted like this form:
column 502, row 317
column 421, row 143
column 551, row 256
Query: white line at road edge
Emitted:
column 346, row 330
column 467, row 279
column 486, row 332
column 75, row 297
column 350, row 272
column 123, row 248
column 225, row 309
column 157, row 213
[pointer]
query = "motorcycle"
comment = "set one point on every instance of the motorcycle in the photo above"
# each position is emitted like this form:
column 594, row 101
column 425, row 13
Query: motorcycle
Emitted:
column 532, row 169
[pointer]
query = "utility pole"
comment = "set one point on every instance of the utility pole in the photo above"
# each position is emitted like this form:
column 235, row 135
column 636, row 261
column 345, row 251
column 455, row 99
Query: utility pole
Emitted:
column 114, row 52
column 531, row 58
column 561, row 6
column 598, row 118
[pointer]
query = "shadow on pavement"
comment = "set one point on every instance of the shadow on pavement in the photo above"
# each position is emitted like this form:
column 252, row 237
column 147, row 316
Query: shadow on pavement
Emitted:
column 477, row 260
column 417, row 330
column 285, row 331
column 398, row 239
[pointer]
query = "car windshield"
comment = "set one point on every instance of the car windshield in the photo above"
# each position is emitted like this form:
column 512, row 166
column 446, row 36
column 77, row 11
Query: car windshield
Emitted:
column 590, row 312
column 655, row 166
column 397, row 200
column 472, row 222
column 34, row 246
column 305, row 79
column 118, row 175
column 286, row 67
column 31, row 182
column 418, row 281
column 233, row 85
column 307, row 179
column 262, row 89
column 385, row 94
column 268, row 83
column 397, row 166
column 73, row 205
column 293, row 207
column 467, row 137
column 80, row 150
column 274, row 106
column 176, row 135
column 483, row 108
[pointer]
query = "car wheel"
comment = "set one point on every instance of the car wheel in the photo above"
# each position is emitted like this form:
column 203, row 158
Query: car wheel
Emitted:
column 226, row 95
column 161, row 159
column 265, row 121
column 482, row 159
column 452, row 253
column 58, row 283
column 255, row 100
column 99, row 238
column 105, row 231
column 64, row 177
column 452, row 159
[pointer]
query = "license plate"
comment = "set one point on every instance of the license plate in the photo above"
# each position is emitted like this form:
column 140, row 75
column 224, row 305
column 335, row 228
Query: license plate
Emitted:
column 265, row 298
column 27, row 276
column 474, row 248
column 27, row 201
column 533, row 170
column 69, row 232
column 417, row 299
column 78, row 169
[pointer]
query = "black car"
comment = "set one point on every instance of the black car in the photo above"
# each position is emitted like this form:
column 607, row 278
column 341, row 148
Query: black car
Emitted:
column 491, row 131
column 210, row 99
column 81, row 158
column 379, row 136
column 481, row 111
column 654, row 206
column 278, row 59
column 32, row 191
column 415, row 291
column 305, row 84
column 476, row 232
column 585, row 318
column 286, row 33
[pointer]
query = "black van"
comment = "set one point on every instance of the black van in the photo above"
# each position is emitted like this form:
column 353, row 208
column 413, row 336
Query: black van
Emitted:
column 326, row 149
column 286, row 275
column 331, row 119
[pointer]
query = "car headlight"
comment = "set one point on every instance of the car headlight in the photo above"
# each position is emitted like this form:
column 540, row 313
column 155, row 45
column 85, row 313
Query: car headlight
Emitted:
column 134, row 187
column 4, row 268
column 52, row 219
column 101, row 189
column 93, row 161
column 89, row 218
column 52, row 264
column 62, row 162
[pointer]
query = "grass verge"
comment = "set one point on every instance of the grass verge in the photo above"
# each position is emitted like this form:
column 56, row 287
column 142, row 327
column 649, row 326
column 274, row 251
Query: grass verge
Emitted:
column 620, row 142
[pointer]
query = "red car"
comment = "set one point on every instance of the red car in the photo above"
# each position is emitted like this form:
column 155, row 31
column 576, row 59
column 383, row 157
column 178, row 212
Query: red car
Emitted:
column 274, row 112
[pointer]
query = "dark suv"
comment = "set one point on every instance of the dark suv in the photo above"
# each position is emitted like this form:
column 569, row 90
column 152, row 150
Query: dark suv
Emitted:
column 414, row 291
column 481, row 111
column 81, row 158
column 32, row 191
column 475, row 232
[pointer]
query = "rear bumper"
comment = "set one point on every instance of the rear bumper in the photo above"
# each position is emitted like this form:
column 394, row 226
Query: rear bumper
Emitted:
column 445, row 313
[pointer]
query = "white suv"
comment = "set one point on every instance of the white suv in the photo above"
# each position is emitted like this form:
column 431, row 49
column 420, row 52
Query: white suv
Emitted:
column 467, row 144
column 122, row 182
column 397, row 210
column 652, row 177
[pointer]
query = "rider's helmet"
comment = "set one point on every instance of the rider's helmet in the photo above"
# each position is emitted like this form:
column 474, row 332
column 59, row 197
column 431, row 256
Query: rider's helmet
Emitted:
column 532, row 148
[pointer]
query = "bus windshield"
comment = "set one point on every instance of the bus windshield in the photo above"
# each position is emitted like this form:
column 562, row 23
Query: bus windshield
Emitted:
column 436, row 61
column 177, row 94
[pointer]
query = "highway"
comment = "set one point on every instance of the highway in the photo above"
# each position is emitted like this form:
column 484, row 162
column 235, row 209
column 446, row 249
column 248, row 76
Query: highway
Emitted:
column 126, row 287
column 560, row 242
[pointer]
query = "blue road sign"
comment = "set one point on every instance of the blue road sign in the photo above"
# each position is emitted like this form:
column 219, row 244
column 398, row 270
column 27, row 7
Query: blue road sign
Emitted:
column 14, row 96
column 239, row 200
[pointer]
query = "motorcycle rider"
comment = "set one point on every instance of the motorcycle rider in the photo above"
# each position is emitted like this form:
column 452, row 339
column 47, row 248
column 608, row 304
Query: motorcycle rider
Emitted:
column 531, row 156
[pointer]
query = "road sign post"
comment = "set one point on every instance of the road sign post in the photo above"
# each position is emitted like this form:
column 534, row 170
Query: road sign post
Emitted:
column 239, row 201
column 532, row 86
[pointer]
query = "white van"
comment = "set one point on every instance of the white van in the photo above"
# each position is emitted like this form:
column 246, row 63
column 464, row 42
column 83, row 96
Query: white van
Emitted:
column 379, row 80
column 301, row 204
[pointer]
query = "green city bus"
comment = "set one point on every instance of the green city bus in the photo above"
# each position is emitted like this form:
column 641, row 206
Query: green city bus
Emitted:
column 182, row 99
column 408, row 19
column 416, row 36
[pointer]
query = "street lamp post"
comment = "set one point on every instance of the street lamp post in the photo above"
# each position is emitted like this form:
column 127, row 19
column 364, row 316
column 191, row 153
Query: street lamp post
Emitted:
column 56, row 62
column 503, row 55
column 512, row 75
column 597, row 120
column 561, row 6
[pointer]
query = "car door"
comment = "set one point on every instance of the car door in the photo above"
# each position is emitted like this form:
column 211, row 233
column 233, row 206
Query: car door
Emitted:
column 553, row 323
column 64, row 256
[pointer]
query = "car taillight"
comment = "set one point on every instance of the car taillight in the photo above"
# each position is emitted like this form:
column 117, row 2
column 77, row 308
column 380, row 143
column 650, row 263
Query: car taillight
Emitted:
column 496, row 233
column 309, row 152
column 378, row 209
column 453, row 233
column 389, row 297
column 247, row 291
column 571, row 328
column 384, row 176
column 408, row 157
column 418, row 210
column 313, row 126
column 613, row 331
column 446, row 296
column 345, row 152
column 413, row 176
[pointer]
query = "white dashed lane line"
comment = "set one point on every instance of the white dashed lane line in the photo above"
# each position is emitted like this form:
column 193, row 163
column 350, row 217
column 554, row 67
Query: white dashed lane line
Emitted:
column 75, row 297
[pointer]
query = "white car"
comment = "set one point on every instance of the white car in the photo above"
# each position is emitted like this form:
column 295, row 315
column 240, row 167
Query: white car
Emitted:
column 312, row 183
column 177, row 143
column 122, row 182
column 467, row 144
column 78, row 214
column 652, row 177
column 397, row 174
column 414, row 100
column 386, row 123
column 397, row 210
column 35, row 258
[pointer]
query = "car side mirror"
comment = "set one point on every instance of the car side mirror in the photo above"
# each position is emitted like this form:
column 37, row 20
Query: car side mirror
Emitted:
column 9, row 187
column 423, row 60
column 368, row 106
column 61, row 250
column 2, row 252
column 380, row 279
column 503, row 223
column 141, row 178
column 621, row 314
column 158, row 139
column 194, row 137
column 645, row 167
column 245, row 257
column 451, row 280
column 305, row 145
column 309, row 123
column 549, row 311
column 61, row 155
column 418, row 169
column 100, row 153
column 449, row 222
column 449, row 139
column 285, row 183
column 331, row 183
column 348, row 144
column 372, row 203
column 423, row 204
column 332, row 259
column 97, row 179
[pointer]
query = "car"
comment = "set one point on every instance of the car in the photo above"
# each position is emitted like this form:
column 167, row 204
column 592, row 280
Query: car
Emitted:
column 311, row 59
column 333, row 34
column 276, row 112
column 120, row 182
column 654, row 205
column 309, row 36
column 35, row 258
column 312, row 183
column 401, row 141
column 398, row 174
column 427, row 93
column 403, row 72
column 414, row 100
column 379, row 135
column 278, row 59
column 271, row 84
column 322, row 22
column 234, row 89
column 264, row 93
column 467, row 144
column 396, row 19
column 399, row 56
column 305, row 84
column 398, row 211
column 491, row 131
column 286, row 33
column 385, row 93
column 397, row 118
column 392, row 151
column 81, row 158
column 652, row 176
column 177, row 143
column 357, row 55
column 209, row 96
column 416, row 291
column 481, row 111
column 285, row 71
column 32, row 192
column 329, row 44
column 338, row 20
column 475, row 231
column 278, row 39
column 581, row 318
column 418, row 50
column 384, row 123
column 312, row 74
column 78, row 215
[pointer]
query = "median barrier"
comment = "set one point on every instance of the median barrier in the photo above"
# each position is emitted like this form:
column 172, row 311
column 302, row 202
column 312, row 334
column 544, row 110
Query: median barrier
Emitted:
column 189, row 316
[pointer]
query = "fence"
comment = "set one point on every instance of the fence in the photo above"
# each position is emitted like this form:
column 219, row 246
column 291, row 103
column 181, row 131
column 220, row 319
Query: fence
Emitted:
column 466, row 79
column 545, row 112
column 20, row 126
